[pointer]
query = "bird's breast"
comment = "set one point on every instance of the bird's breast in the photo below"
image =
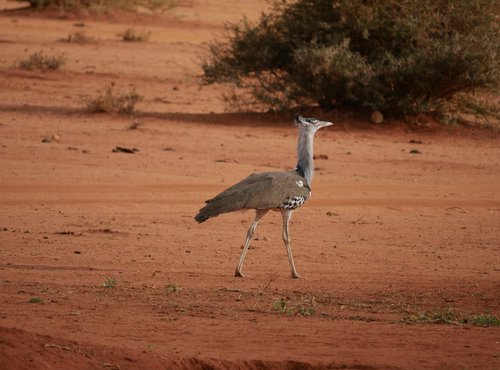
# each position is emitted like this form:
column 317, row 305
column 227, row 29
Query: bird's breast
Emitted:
column 293, row 202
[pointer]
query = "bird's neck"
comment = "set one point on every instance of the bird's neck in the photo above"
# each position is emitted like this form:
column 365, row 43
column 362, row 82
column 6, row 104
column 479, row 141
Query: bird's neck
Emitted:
column 305, row 164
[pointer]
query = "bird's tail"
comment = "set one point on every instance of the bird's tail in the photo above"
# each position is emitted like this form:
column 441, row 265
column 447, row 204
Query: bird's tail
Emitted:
column 210, row 210
column 203, row 215
column 223, row 203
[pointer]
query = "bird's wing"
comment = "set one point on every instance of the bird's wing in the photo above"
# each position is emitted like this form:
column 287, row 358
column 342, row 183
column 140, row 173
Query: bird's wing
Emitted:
column 258, row 191
column 264, row 190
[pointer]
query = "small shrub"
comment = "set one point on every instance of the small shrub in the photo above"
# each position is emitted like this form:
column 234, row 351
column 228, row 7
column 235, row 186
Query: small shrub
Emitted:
column 110, row 102
column 306, row 311
column 448, row 316
column 131, row 35
column 109, row 283
column 42, row 62
column 36, row 300
column 396, row 56
column 281, row 306
column 172, row 288
column 454, row 317
column 284, row 306
column 78, row 38
column 485, row 320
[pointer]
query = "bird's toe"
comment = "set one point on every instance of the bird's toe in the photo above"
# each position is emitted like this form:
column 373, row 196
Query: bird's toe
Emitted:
column 238, row 273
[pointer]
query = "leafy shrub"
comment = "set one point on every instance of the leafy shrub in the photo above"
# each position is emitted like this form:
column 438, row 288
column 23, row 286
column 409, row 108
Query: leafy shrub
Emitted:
column 110, row 102
column 398, row 56
column 42, row 62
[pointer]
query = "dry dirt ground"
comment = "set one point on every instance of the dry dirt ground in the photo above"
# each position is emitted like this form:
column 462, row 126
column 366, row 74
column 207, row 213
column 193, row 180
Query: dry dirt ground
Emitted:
column 103, row 266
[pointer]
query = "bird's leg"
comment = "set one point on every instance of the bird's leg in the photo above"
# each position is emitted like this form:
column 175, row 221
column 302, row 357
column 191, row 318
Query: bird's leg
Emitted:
column 287, row 214
column 251, row 230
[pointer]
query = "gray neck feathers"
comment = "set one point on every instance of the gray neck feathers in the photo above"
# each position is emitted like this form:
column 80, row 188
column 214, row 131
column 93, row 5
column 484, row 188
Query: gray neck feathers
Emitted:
column 305, row 153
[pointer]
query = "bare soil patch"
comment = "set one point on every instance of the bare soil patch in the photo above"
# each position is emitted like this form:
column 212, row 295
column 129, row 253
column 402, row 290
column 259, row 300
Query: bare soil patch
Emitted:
column 402, row 223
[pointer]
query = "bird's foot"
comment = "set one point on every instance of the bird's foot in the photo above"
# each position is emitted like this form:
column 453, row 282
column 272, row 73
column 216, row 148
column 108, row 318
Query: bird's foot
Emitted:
column 238, row 273
column 295, row 275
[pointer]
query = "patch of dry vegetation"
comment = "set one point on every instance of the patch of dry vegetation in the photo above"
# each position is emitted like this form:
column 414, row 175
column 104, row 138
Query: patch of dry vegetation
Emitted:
column 110, row 102
column 453, row 317
column 157, row 6
column 481, row 108
column 41, row 62
column 131, row 35
column 79, row 37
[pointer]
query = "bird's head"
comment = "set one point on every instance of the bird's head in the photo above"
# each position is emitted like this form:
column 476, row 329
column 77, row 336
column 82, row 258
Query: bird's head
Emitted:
column 311, row 124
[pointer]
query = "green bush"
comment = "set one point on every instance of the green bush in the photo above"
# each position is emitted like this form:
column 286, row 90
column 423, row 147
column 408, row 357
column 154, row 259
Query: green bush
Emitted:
column 398, row 56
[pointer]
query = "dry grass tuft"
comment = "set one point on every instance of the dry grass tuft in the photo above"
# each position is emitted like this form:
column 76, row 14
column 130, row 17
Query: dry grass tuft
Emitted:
column 109, row 102
column 131, row 35
column 39, row 61
column 79, row 37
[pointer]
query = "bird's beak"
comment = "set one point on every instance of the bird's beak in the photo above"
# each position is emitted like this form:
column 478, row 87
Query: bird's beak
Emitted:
column 326, row 124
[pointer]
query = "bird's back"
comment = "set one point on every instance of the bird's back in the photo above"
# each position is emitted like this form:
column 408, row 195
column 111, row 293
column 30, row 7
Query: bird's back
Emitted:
column 268, row 190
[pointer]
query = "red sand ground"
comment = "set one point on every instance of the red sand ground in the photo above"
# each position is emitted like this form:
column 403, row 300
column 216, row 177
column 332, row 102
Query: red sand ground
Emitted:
column 387, row 236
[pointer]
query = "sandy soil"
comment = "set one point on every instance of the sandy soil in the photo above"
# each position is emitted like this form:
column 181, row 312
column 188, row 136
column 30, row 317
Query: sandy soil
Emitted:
column 388, row 236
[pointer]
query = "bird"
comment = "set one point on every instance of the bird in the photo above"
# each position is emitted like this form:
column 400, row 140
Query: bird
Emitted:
column 277, row 191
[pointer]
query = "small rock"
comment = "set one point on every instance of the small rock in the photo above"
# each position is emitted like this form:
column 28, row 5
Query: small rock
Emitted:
column 227, row 160
column 413, row 141
column 320, row 156
column 120, row 149
column 377, row 117
column 415, row 151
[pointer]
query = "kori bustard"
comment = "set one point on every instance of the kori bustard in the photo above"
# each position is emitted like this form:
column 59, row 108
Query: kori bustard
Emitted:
column 277, row 191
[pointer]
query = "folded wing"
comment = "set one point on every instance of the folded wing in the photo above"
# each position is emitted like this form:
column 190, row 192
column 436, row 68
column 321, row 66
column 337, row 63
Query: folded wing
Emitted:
column 258, row 191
